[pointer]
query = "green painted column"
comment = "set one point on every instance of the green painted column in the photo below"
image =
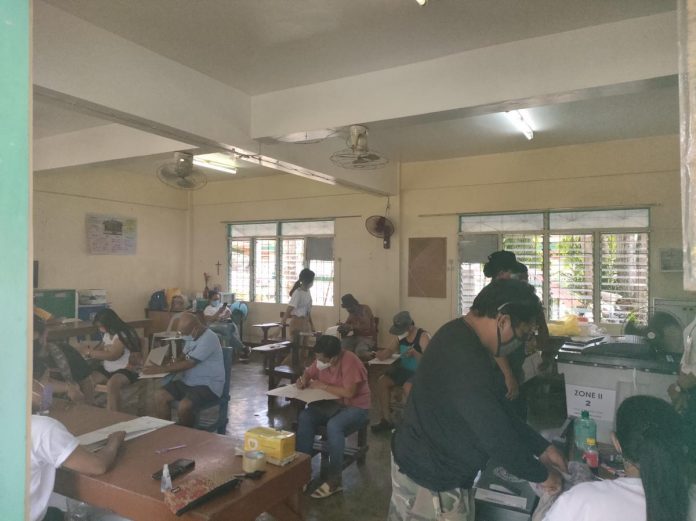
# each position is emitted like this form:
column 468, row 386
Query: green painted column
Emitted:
column 15, row 230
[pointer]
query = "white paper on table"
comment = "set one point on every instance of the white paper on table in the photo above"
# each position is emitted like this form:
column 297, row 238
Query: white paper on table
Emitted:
column 376, row 361
column 156, row 355
column 143, row 376
column 134, row 428
column 304, row 395
column 501, row 498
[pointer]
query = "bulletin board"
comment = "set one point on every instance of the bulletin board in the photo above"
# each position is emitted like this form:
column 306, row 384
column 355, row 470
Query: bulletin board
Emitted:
column 111, row 234
column 427, row 267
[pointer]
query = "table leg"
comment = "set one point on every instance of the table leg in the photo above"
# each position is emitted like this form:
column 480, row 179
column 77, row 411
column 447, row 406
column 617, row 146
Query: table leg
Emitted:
column 290, row 509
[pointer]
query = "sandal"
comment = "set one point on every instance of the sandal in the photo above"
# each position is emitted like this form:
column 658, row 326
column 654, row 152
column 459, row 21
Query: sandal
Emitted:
column 325, row 491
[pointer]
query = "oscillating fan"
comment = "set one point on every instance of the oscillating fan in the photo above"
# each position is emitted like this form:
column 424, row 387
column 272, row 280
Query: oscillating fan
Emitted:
column 358, row 156
column 381, row 227
column 181, row 173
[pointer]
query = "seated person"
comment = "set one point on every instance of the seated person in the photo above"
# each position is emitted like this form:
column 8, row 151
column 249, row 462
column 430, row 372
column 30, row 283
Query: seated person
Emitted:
column 218, row 317
column 409, row 342
column 361, row 323
column 52, row 447
column 74, row 371
column 201, row 374
column 650, row 436
column 342, row 374
column 119, row 340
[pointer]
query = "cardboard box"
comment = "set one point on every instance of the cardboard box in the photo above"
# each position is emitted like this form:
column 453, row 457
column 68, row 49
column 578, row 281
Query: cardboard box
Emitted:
column 278, row 445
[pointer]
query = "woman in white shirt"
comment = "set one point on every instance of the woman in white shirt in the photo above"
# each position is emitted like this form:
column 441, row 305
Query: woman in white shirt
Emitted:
column 299, row 310
column 119, row 340
column 650, row 436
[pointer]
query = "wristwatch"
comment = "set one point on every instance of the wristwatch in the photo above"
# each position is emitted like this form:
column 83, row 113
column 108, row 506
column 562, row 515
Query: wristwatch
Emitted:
column 678, row 388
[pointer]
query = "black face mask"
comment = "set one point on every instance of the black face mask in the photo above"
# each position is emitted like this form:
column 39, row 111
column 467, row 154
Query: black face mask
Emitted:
column 509, row 347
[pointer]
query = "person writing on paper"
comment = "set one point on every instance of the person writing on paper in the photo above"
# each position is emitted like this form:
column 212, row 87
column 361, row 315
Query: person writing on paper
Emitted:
column 650, row 436
column 409, row 342
column 218, row 317
column 201, row 374
column 358, row 331
column 75, row 372
column 52, row 447
column 342, row 374
column 456, row 419
column 119, row 341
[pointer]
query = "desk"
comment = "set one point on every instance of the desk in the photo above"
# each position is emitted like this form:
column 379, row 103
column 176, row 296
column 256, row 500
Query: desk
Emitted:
column 129, row 490
column 266, row 327
column 82, row 328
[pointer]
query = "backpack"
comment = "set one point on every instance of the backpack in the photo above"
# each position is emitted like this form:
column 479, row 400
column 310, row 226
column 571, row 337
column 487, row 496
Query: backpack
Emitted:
column 158, row 301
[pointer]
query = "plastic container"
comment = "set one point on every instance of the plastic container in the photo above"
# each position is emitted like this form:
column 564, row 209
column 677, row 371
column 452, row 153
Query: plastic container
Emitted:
column 591, row 454
column 584, row 428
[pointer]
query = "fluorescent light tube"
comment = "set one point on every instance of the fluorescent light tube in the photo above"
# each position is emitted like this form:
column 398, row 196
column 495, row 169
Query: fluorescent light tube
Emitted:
column 517, row 118
column 214, row 166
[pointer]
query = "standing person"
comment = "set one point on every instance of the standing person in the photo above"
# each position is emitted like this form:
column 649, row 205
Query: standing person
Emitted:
column 650, row 436
column 456, row 419
column 119, row 340
column 52, row 447
column 361, row 323
column 410, row 343
column 299, row 310
column 218, row 317
column 342, row 374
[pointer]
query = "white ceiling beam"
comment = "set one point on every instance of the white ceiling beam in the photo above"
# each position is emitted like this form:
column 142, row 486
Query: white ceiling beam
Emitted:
column 610, row 54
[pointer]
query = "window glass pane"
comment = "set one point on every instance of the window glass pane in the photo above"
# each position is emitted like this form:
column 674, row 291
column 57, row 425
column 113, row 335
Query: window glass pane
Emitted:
column 307, row 228
column 322, row 291
column 240, row 268
column 254, row 230
column 471, row 282
column 529, row 250
column 501, row 223
column 624, row 276
column 639, row 218
column 291, row 263
column 265, row 267
column 570, row 276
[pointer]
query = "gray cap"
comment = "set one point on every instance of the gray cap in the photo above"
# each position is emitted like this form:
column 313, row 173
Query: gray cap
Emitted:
column 402, row 321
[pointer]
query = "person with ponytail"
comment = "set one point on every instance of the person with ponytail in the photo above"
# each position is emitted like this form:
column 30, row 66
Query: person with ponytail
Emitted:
column 299, row 310
column 650, row 436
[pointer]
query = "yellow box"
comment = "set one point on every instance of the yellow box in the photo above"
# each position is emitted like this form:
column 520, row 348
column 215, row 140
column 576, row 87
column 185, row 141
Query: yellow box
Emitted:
column 278, row 445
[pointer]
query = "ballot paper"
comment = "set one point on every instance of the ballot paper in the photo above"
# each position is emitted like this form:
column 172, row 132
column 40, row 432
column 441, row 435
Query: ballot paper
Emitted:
column 304, row 395
column 95, row 440
column 388, row 361
column 156, row 357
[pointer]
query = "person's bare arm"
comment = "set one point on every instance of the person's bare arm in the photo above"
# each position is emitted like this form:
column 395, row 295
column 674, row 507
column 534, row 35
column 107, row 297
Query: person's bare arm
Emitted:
column 386, row 352
column 174, row 367
column 511, row 383
column 287, row 315
column 110, row 353
column 95, row 463
column 423, row 343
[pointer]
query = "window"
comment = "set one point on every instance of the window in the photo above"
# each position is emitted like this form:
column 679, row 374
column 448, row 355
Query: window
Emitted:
column 588, row 262
column 265, row 259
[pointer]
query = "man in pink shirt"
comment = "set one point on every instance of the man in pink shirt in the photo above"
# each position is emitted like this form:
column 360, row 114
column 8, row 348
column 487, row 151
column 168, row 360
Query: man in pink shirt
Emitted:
column 342, row 374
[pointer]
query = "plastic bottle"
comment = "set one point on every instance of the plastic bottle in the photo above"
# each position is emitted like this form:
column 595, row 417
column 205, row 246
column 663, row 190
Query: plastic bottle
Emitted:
column 584, row 427
column 166, row 481
column 591, row 454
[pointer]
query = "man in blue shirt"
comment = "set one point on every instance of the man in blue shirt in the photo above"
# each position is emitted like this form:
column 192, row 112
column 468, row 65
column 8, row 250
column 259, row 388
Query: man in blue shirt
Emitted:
column 200, row 375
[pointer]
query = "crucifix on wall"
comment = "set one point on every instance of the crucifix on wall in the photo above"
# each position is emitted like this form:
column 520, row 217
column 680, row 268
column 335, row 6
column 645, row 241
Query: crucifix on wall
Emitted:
column 218, row 267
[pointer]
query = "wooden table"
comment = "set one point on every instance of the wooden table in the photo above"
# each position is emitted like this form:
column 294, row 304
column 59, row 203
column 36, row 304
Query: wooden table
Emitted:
column 267, row 326
column 84, row 328
column 129, row 490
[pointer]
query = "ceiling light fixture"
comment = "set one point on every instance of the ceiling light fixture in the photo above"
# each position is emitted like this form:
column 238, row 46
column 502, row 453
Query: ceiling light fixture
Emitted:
column 517, row 118
column 422, row 2
column 213, row 165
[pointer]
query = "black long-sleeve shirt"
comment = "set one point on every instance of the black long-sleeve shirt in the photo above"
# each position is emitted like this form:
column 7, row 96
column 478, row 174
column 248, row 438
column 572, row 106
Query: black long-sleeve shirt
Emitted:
column 456, row 418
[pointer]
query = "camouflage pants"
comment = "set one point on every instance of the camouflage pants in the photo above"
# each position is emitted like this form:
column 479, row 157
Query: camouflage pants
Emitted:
column 411, row 502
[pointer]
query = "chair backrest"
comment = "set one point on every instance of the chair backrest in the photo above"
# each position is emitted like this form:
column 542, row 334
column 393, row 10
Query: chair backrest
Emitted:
column 227, row 355
column 174, row 318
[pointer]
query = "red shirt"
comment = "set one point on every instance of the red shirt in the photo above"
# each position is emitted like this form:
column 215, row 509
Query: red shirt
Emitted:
column 348, row 371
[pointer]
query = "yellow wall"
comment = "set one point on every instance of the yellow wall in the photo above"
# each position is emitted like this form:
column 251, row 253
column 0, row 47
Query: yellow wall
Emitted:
column 622, row 173
column 63, row 197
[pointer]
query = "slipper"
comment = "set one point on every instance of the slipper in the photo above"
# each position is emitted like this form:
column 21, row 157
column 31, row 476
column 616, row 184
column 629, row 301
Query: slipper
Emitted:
column 325, row 491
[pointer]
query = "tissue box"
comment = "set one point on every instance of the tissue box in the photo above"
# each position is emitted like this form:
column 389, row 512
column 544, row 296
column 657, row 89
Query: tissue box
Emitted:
column 277, row 445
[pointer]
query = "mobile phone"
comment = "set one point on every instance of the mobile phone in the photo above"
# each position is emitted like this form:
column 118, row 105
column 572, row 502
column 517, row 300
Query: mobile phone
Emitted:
column 176, row 468
column 224, row 305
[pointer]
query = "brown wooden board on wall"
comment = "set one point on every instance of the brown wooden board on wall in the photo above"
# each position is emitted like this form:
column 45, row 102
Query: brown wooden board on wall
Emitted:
column 427, row 267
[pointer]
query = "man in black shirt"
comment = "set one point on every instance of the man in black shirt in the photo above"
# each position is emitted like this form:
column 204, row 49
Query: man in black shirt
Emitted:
column 456, row 418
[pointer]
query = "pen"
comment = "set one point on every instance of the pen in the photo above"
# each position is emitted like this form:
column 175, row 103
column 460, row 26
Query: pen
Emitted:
column 167, row 449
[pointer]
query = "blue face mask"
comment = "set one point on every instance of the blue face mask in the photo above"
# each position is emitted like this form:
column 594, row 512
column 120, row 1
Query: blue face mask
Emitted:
column 215, row 303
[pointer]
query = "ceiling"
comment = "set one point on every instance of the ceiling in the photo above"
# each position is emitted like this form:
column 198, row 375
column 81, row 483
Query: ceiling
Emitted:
column 260, row 46
column 51, row 120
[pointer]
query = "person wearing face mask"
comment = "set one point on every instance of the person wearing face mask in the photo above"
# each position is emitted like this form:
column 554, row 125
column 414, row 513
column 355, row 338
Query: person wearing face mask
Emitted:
column 218, row 318
column 456, row 419
column 342, row 374
column 200, row 374
column 119, row 340
column 409, row 342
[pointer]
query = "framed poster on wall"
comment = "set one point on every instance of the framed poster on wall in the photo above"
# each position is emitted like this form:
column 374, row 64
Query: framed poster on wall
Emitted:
column 111, row 234
column 427, row 267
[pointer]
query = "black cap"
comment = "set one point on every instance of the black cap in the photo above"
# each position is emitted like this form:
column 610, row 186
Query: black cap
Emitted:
column 348, row 301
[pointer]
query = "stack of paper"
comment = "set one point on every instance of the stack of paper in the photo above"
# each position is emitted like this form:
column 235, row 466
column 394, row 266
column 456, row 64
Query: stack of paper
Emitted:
column 95, row 440
column 304, row 395
column 388, row 361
